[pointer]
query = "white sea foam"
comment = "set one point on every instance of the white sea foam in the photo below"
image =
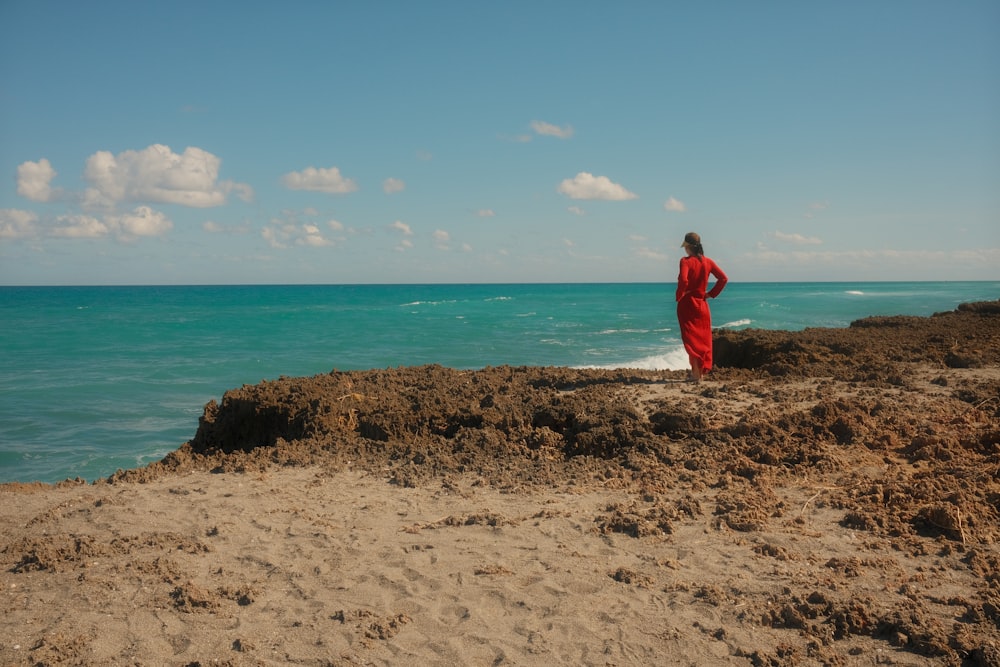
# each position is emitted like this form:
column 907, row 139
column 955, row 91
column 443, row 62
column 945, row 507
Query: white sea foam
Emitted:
column 427, row 303
column 734, row 324
column 607, row 332
column 675, row 359
column 856, row 292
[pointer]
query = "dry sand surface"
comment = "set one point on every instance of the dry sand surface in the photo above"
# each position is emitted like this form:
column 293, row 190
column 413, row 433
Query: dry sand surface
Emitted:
column 828, row 497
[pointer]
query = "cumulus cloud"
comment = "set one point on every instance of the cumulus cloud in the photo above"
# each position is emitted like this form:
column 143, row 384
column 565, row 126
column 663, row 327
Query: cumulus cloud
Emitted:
column 157, row 174
column 401, row 226
column 80, row 227
column 796, row 239
column 311, row 236
column 34, row 180
column 485, row 213
column 674, row 206
column 242, row 190
column 391, row 185
column 142, row 221
column 328, row 180
column 17, row 224
column 576, row 210
column 290, row 229
column 442, row 239
column 649, row 253
column 900, row 261
column 588, row 186
column 815, row 207
column 283, row 234
column 276, row 235
column 213, row 227
column 550, row 130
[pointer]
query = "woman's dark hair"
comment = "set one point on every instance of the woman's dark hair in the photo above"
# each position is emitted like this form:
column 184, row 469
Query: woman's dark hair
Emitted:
column 693, row 241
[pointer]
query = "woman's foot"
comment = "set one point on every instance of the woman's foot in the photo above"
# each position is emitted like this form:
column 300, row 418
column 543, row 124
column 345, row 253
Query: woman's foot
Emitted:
column 696, row 373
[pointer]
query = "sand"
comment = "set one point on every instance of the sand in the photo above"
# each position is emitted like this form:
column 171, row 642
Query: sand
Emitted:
column 827, row 497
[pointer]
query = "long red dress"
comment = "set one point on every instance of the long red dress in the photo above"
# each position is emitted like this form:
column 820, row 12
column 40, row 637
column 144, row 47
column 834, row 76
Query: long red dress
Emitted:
column 692, row 307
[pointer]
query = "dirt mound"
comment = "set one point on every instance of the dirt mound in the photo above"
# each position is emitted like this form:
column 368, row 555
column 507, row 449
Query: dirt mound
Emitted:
column 872, row 348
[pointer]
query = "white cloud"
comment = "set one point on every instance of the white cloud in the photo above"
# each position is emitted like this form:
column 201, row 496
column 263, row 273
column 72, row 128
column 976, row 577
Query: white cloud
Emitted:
column 242, row 190
column 319, row 180
column 550, row 130
column 291, row 230
column 638, row 238
column 80, row 227
column 442, row 239
column 34, row 180
column 649, row 253
column 403, row 245
column 796, row 239
column 815, row 207
column 391, row 185
column 142, row 221
column 485, row 213
column 987, row 257
column 576, row 210
column 466, row 247
column 311, row 236
column 401, row 226
column 674, row 205
column 274, row 236
column 588, row 186
column 17, row 224
column 213, row 227
column 157, row 174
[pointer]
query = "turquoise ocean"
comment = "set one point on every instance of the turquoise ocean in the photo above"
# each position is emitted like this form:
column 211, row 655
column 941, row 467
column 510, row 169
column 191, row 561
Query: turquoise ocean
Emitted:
column 96, row 379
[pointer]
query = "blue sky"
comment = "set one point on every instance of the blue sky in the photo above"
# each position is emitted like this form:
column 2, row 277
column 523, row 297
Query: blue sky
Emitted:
column 411, row 142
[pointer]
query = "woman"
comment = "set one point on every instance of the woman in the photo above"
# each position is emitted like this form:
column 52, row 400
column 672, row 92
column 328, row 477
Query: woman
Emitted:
column 692, row 305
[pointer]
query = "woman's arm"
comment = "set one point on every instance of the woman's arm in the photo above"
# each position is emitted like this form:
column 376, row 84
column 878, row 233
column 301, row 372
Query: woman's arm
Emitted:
column 720, row 280
column 682, row 280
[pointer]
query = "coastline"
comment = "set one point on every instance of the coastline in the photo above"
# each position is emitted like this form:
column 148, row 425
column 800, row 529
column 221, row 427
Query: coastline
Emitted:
column 97, row 379
column 827, row 496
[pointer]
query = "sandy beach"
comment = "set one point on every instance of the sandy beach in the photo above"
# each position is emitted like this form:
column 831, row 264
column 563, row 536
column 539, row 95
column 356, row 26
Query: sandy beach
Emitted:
column 826, row 497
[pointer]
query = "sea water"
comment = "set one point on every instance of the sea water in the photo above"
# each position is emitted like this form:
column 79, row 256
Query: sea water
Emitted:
column 94, row 379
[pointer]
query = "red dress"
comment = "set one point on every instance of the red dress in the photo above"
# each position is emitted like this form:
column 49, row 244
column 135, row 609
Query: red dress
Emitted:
column 692, row 307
